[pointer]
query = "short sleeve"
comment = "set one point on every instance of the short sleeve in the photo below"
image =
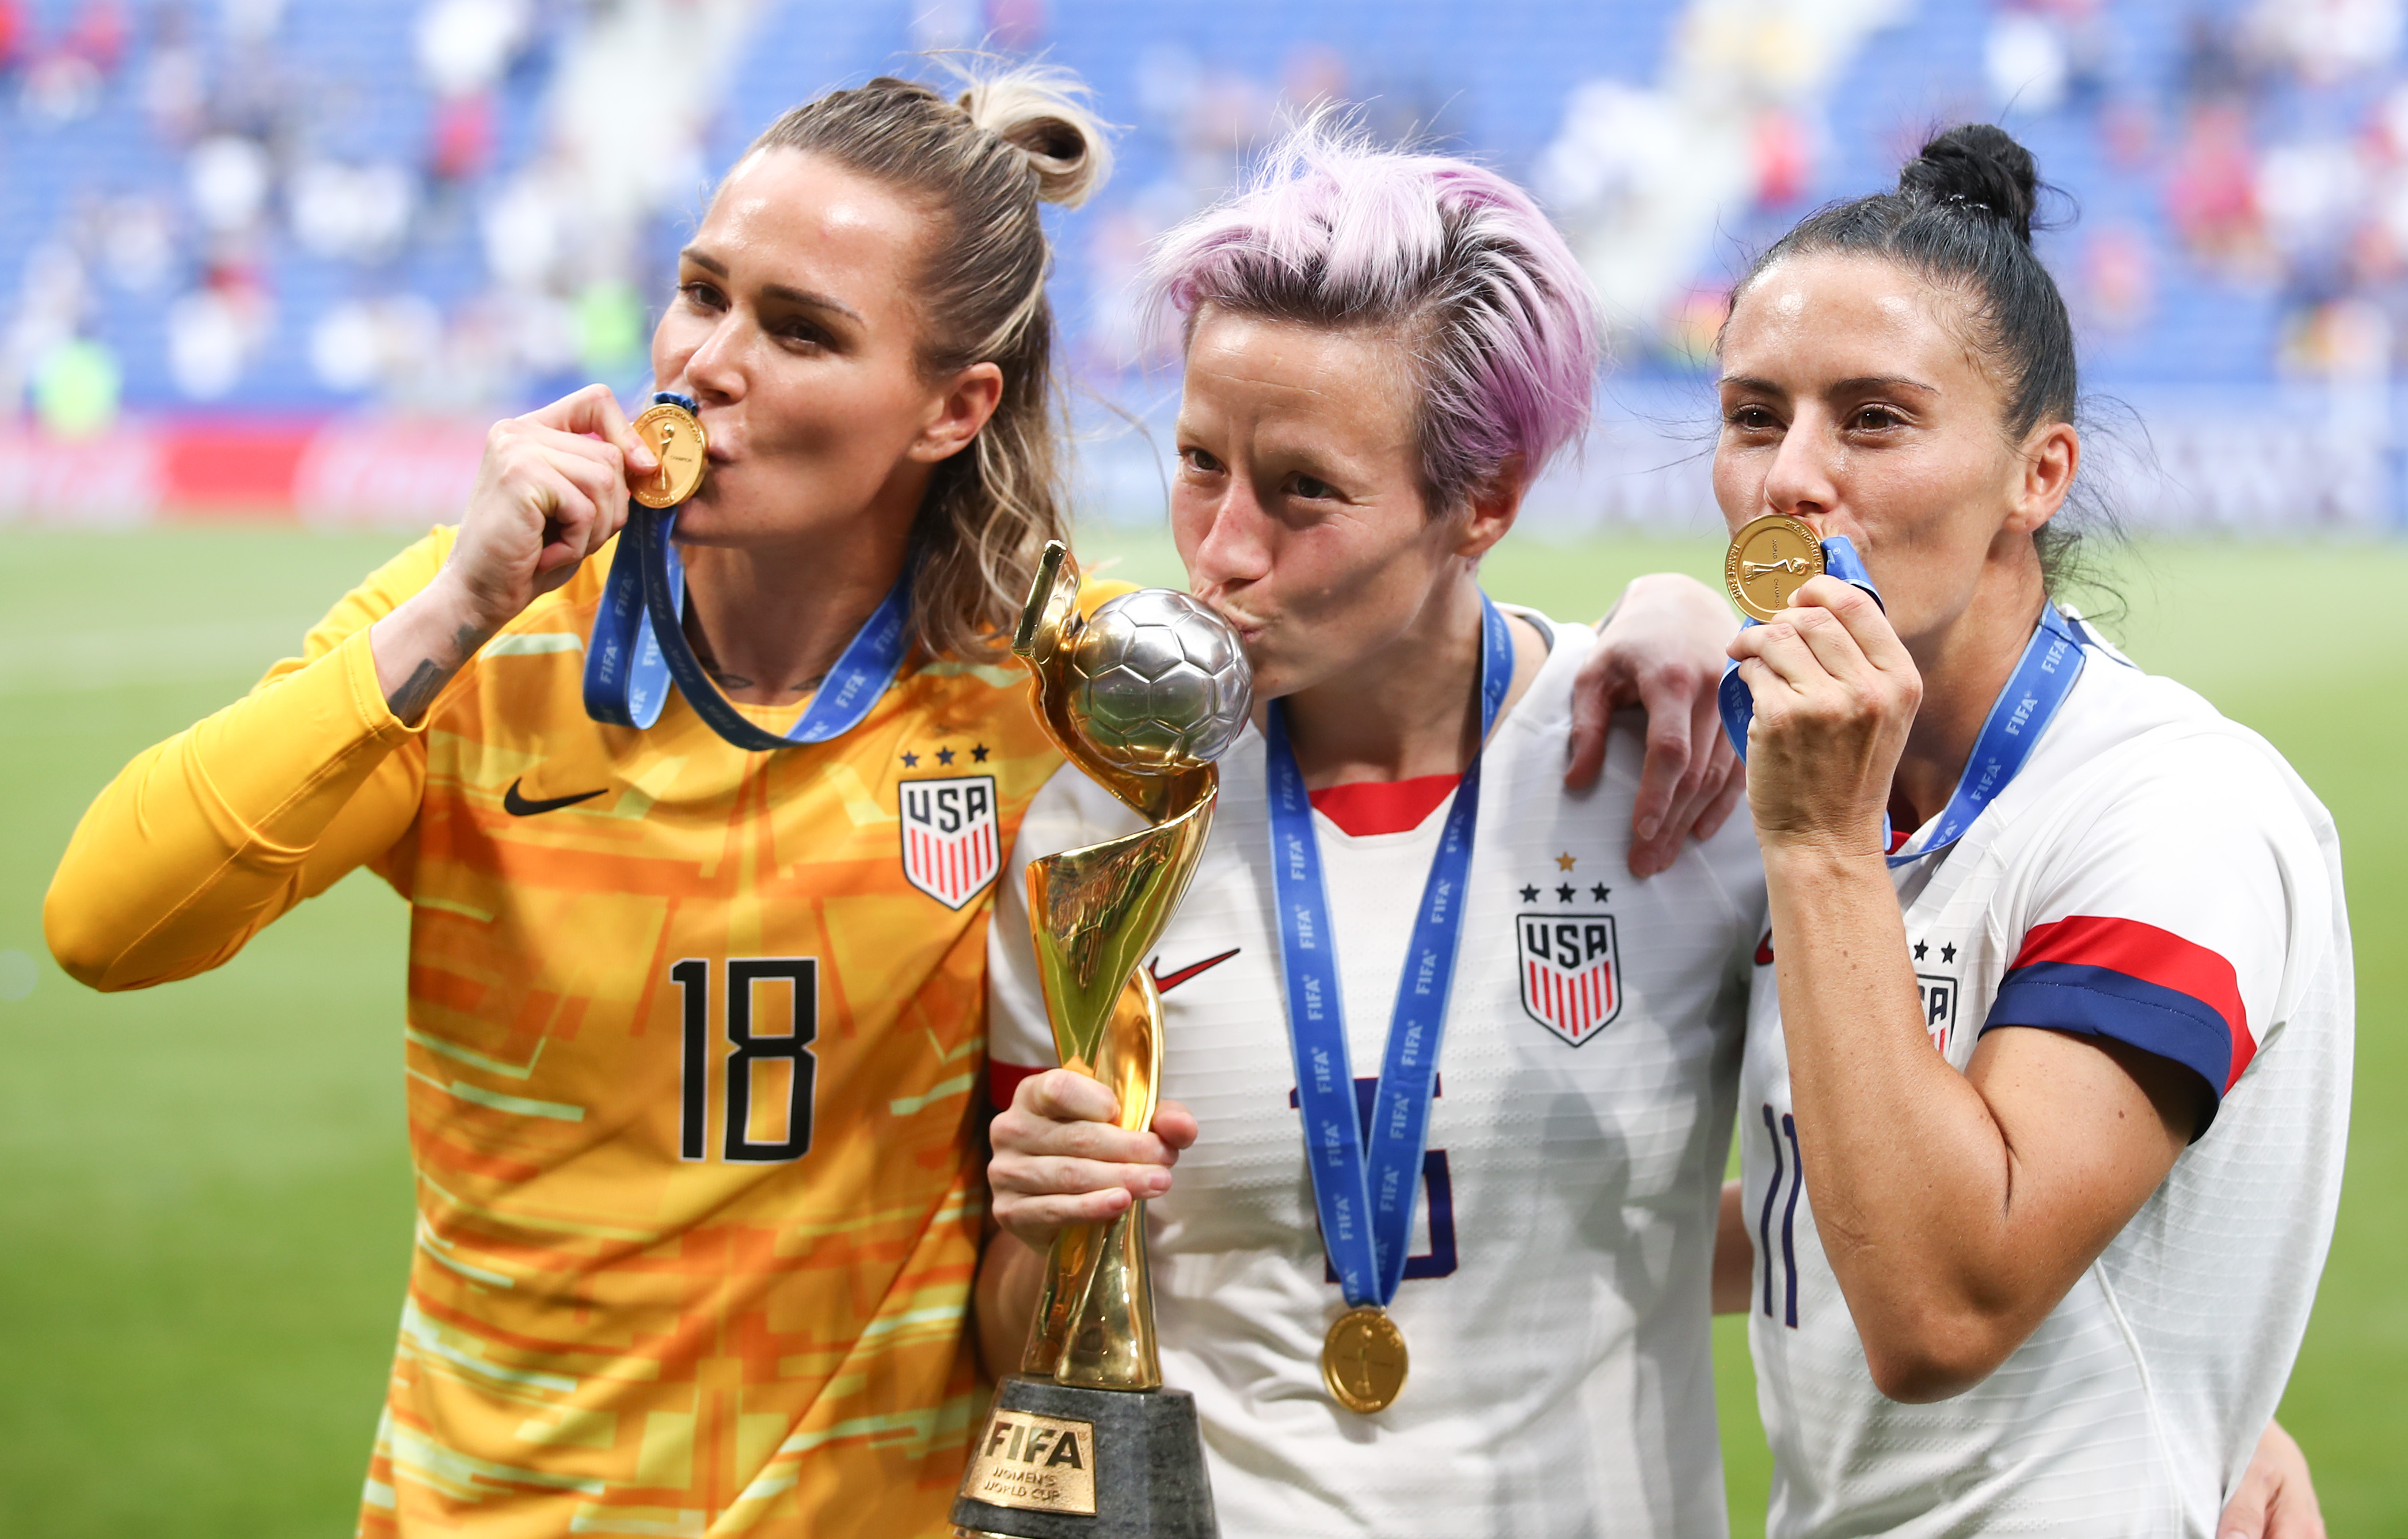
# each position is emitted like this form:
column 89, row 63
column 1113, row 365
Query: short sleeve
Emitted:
column 1070, row 810
column 2164, row 922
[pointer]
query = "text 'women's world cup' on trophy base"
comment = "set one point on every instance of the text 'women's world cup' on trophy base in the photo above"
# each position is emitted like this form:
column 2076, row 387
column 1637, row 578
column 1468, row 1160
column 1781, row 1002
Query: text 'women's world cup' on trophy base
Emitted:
column 1084, row 1442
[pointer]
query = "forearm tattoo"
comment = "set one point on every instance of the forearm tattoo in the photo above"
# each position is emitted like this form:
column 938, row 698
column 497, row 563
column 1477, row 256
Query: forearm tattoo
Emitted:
column 418, row 691
column 427, row 679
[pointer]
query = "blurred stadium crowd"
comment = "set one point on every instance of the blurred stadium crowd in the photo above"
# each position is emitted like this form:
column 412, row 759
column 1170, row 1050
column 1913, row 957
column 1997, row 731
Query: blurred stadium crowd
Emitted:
column 293, row 255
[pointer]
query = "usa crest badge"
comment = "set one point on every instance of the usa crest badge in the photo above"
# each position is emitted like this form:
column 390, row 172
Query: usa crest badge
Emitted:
column 1571, row 972
column 949, row 850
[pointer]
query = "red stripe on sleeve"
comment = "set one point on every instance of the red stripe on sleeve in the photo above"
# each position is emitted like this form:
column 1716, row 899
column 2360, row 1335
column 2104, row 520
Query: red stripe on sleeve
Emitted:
column 2153, row 955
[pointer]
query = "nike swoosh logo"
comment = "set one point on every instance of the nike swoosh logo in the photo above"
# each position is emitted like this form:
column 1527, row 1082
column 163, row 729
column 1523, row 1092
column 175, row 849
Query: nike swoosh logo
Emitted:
column 1164, row 985
column 519, row 806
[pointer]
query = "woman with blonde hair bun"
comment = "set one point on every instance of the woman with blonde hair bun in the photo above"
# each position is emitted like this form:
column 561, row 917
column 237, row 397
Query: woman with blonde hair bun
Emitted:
column 695, row 975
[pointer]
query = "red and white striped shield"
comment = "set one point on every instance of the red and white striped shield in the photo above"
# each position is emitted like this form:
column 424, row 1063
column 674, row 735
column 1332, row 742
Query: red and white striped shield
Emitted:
column 1571, row 972
column 949, row 843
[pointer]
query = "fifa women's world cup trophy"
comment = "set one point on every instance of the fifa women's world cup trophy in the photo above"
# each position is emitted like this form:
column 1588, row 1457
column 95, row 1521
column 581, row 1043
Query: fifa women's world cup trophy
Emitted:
column 1084, row 1440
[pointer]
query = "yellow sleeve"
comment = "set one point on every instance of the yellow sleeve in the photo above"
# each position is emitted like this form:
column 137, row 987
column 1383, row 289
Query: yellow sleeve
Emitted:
column 206, row 838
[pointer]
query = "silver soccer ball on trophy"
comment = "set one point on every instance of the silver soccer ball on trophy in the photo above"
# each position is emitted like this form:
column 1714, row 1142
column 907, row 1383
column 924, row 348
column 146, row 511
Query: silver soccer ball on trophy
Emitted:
column 1159, row 683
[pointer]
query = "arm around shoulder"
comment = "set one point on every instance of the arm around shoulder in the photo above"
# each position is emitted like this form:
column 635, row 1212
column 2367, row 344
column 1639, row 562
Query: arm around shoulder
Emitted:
column 1661, row 647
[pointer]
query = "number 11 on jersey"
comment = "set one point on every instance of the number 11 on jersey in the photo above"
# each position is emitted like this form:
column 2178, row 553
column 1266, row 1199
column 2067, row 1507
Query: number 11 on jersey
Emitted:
column 755, row 1066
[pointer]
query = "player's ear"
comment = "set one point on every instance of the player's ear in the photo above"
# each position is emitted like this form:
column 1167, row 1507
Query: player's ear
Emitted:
column 1492, row 506
column 958, row 411
column 2050, row 458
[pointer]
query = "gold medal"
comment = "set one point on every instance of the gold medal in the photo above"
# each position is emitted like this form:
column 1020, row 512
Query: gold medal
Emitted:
column 671, row 432
column 1770, row 558
column 1363, row 1361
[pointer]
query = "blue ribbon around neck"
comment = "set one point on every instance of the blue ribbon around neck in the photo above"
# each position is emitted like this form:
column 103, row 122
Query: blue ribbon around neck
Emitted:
column 1366, row 1196
column 638, row 646
column 2051, row 663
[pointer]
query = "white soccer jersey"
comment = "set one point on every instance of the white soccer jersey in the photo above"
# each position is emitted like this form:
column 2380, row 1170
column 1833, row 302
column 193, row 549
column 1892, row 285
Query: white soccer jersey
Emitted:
column 2157, row 874
column 1555, row 1306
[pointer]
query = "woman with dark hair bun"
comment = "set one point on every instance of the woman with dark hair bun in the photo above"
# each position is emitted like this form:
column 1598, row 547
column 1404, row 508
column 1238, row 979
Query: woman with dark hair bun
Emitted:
column 2048, row 1074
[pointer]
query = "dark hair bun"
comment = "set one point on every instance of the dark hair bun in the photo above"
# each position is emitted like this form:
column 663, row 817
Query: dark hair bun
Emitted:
column 1982, row 166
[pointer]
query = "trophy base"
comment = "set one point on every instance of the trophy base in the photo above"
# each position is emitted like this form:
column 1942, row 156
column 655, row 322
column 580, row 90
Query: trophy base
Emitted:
column 1055, row 1461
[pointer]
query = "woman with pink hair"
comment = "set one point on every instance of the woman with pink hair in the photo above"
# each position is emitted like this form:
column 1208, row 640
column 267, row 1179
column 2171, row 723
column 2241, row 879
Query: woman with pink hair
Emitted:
column 1414, row 991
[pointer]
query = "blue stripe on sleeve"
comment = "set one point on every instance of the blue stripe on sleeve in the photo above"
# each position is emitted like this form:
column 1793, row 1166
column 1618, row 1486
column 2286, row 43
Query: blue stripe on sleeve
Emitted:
column 2097, row 1002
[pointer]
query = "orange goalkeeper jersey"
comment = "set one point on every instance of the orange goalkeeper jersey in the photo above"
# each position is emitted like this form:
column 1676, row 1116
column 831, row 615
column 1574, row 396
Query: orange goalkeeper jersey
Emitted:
column 694, row 1040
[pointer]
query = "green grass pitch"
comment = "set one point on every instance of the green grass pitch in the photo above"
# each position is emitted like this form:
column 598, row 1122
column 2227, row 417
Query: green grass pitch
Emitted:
column 206, row 1203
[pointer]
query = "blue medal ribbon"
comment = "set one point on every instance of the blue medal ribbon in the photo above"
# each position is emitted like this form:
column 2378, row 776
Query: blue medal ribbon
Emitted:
column 626, row 678
column 2045, row 676
column 639, row 648
column 1367, row 1197
column 2051, row 663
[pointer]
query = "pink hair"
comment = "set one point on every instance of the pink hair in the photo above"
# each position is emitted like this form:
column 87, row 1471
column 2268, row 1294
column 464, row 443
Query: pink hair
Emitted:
column 1490, row 304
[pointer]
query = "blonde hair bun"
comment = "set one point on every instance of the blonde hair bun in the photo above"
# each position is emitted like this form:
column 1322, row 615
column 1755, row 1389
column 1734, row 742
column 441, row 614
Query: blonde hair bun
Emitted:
column 1041, row 111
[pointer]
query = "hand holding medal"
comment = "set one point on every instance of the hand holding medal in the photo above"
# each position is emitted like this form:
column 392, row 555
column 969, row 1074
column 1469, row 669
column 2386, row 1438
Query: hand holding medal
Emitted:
column 1769, row 559
column 550, row 490
column 639, row 645
column 1824, row 762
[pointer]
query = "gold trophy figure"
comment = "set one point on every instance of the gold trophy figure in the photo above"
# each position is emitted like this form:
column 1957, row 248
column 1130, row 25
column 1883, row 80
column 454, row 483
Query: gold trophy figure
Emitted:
column 1084, row 1440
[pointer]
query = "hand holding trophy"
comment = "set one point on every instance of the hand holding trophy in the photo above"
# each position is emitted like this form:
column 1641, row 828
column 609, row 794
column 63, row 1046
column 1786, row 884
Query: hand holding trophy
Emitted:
column 1142, row 697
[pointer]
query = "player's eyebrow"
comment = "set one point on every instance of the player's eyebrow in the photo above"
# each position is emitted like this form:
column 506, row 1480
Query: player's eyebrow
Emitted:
column 1856, row 386
column 1864, row 383
column 784, row 291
